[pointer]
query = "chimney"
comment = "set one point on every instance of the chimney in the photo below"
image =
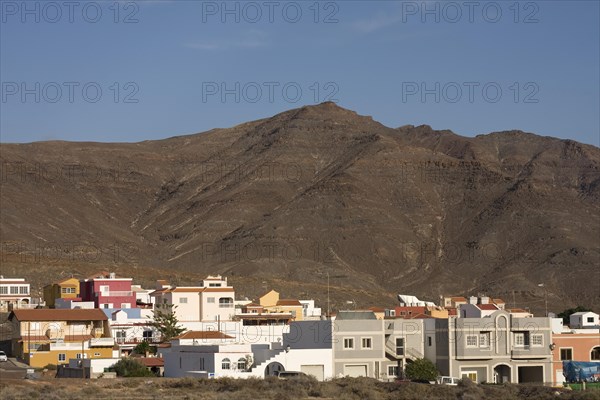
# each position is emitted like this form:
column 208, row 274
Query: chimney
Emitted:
column 472, row 300
column 484, row 300
column 112, row 275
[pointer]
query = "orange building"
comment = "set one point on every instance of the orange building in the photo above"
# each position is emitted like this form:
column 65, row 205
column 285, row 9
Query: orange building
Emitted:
column 573, row 344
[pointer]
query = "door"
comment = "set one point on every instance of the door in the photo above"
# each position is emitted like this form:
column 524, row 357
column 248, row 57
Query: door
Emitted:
column 560, row 378
column 355, row 371
column 318, row 371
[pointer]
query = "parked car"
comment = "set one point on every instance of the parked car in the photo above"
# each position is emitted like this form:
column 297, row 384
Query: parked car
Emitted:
column 3, row 357
column 447, row 380
column 290, row 374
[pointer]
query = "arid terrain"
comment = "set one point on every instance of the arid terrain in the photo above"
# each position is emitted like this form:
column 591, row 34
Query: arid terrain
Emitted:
column 276, row 389
column 286, row 201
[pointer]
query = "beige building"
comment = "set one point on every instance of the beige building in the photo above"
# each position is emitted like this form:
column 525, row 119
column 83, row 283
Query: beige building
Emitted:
column 271, row 303
column 213, row 301
column 48, row 336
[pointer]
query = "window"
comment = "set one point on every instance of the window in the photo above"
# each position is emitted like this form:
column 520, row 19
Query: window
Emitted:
column 590, row 320
column 471, row 340
column 537, row 340
column 23, row 290
column 62, row 357
column 67, row 290
column 399, row 346
column 348, row 343
column 484, row 340
column 566, row 354
column 429, row 340
column 14, row 290
column 125, row 305
column 210, row 299
column 241, row 364
column 472, row 375
column 392, row 370
column 226, row 363
column 104, row 289
column 225, row 302
column 34, row 346
column 79, row 355
column 3, row 289
column 147, row 335
column 366, row 343
column 595, row 356
column 522, row 339
column 183, row 300
column 34, row 325
column 96, row 354
column 214, row 285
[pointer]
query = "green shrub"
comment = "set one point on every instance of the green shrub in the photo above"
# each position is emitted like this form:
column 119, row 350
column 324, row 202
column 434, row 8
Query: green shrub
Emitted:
column 421, row 369
column 129, row 367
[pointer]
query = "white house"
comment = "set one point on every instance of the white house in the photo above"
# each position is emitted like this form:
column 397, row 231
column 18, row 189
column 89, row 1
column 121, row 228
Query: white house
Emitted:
column 584, row 319
column 309, row 311
column 14, row 293
column 131, row 326
column 307, row 347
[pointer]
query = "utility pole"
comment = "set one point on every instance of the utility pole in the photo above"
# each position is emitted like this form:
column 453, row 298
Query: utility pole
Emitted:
column 328, row 309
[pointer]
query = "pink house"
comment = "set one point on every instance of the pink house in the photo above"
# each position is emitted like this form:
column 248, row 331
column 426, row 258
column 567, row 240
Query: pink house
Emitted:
column 107, row 291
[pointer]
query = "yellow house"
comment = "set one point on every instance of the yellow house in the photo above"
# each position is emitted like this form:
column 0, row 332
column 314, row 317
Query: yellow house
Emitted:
column 272, row 304
column 53, row 336
column 269, row 299
column 65, row 289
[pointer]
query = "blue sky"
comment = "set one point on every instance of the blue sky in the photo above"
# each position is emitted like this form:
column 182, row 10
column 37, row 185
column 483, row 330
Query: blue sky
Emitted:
column 167, row 68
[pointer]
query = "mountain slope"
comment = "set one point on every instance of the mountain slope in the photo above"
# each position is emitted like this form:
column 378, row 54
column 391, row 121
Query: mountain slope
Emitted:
column 313, row 191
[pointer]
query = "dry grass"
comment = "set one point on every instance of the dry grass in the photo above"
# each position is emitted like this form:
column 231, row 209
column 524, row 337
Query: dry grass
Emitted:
column 259, row 389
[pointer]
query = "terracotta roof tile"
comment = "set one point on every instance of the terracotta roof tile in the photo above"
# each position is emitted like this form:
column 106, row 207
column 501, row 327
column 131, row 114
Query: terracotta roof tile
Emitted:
column 151, row 361
column 46, row 314
column 289, row 302
column 487, row 306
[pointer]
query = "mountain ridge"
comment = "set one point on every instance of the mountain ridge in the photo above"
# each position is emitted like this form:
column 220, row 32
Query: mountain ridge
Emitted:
column 322, row 189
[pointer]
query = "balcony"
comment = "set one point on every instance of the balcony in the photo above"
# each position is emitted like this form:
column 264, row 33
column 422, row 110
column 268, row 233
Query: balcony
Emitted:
column 102, row 342
column 116, row 293
column 531, row 352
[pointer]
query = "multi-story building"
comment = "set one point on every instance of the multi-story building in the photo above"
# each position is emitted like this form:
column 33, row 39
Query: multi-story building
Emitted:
column 306, row 348
column 108, row 291
column 580, row 341
column 14, row 293
column 499, row 347
column 376, row 348
column 50, row 336
column 63, row 289
column 213, row 301
column 273, row 304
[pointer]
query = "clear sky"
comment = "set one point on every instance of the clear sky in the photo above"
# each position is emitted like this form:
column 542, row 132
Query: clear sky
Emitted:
column 131, row 71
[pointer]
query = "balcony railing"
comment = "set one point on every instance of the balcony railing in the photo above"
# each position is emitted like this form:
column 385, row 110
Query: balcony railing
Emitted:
column 115, row 293
column 102, row 342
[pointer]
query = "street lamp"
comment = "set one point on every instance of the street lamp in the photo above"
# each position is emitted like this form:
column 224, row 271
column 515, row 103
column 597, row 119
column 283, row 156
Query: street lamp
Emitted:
column 545, row 297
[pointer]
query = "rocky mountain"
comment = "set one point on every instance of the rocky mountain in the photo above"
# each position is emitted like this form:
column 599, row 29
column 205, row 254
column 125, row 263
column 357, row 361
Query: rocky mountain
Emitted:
column 311, row 192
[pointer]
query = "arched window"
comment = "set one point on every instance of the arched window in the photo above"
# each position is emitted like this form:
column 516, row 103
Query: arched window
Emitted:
column 226, row 363
column 241, row 364
column 595, row 356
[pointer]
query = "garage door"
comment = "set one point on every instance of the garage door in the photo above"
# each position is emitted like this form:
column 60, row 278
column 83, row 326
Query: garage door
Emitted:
column 318, row 371
column 531, row 374
column 355, row 370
